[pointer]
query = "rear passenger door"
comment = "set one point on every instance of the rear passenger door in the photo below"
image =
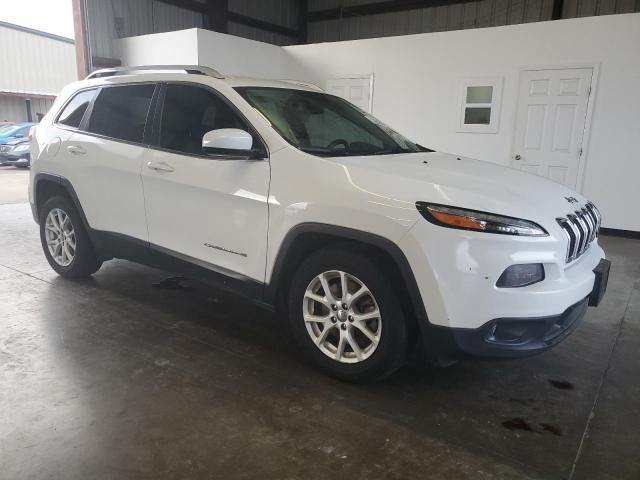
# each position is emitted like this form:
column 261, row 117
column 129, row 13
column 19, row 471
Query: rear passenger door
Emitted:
column 210, row 209
column 104, row 156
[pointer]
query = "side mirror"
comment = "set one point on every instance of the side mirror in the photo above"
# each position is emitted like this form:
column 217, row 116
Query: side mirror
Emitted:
column 228, row 141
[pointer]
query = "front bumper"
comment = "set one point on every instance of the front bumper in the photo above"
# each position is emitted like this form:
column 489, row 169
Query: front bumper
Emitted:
column 517, row 336
column 21, row 161
column 457, row 271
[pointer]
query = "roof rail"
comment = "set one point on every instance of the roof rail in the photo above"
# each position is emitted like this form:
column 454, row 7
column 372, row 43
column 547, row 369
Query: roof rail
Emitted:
column 302, row 84
column 195, row 69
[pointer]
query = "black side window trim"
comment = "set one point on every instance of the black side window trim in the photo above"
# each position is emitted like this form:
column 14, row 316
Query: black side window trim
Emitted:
column 87, row 114
column 154, row 140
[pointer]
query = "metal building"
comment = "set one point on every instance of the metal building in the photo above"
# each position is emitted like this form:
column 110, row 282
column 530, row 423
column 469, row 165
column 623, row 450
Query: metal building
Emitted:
column 287, row 22
column 34, row 66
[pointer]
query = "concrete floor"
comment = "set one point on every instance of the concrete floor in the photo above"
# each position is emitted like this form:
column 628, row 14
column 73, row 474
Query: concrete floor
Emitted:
column 113, row 378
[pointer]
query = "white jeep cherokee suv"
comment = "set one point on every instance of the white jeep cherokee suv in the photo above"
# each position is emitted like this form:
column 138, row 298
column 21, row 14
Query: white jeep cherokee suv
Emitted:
column 376, row 248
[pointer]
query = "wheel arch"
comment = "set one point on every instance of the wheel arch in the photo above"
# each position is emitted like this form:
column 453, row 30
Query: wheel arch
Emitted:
column 306, row 238
column 47, row 185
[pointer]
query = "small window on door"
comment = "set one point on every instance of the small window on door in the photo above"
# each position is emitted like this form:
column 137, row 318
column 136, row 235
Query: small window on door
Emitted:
column 72, row 114
column 121, row 112
column 479, row 105
column 188, row 113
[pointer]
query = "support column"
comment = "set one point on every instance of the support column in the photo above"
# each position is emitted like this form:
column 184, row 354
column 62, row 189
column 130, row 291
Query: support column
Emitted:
column 82, row 47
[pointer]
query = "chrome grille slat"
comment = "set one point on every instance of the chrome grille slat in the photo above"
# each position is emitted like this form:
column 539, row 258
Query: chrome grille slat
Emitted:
column 592, row 227
column 582, row 232
column 585, row 232
column 581, row 228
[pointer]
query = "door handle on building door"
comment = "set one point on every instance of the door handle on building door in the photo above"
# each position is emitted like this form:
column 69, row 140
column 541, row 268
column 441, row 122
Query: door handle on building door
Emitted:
column 517, row 157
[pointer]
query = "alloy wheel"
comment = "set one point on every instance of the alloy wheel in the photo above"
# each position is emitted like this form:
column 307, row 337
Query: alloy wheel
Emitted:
column 60, row 237
column 342, row 316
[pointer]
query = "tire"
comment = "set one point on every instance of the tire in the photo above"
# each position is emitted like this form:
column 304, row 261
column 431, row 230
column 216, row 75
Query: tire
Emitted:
column 369, row 360
column 84, row 260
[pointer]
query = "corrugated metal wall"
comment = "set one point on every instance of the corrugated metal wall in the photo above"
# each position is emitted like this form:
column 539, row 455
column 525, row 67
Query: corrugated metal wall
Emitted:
column 483, row 13
column 279, row 12
column 109, row 19
column 14, row 109
column 33, row 63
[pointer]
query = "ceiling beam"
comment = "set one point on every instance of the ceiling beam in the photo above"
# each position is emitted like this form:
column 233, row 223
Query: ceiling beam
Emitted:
column 389, row 6
column 191, row 5
column 262, row 25
column 558, row 7
column 218, row 16
column 303, row 20
column 188, row 5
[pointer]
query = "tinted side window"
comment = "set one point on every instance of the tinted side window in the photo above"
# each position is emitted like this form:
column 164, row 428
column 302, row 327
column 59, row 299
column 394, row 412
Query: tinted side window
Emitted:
column 188, row 113
column 72, row 114
column 121, row 112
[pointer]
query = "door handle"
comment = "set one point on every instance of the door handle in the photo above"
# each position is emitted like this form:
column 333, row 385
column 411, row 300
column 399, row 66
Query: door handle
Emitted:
column 76, row 150
column 160, row 167
column 517, row 157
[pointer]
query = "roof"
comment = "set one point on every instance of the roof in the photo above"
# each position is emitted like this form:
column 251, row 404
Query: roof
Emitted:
column 37, row 32
column 172, row 72
column 260, row 82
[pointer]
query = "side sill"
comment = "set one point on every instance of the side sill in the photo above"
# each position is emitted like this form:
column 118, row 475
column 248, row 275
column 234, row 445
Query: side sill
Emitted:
column 114, row 245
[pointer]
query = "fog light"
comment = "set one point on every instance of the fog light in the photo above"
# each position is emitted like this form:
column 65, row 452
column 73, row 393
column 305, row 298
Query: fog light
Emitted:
column 507, row 332
column 521, row 275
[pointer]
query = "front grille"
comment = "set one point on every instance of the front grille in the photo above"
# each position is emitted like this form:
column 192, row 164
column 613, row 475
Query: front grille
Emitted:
column 582, row 228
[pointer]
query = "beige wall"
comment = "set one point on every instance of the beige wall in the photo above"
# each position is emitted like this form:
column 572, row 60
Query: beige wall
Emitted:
column 13, row 108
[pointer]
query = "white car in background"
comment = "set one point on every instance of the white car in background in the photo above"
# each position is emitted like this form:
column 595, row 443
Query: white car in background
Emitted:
column 376, row 248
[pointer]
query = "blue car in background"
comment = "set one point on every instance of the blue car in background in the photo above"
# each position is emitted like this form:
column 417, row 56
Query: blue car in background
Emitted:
column 9, row 134
column 16, row 130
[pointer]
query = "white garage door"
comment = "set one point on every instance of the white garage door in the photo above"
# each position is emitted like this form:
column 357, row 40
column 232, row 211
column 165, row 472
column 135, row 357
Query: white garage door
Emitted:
column 552, row 110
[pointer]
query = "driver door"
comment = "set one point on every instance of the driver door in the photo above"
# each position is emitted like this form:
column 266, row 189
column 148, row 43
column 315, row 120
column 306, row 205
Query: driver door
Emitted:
column 210, row 209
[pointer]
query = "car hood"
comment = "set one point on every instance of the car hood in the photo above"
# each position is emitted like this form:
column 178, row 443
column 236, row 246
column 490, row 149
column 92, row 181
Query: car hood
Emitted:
column 462, row 182
column 14, row 141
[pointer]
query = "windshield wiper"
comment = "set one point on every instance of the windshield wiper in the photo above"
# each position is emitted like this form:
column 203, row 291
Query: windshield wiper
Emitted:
column 393, row 151
column 325, row 152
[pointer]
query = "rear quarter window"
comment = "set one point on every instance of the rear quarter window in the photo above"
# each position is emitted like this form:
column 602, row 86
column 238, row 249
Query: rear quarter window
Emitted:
column 73, row 112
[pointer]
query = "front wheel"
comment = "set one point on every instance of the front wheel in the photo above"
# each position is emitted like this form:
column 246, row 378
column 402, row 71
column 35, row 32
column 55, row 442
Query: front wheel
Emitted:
column 65, row 241
column 346, row 315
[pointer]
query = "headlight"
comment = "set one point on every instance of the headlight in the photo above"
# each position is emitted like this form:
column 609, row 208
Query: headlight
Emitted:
column 21, row 148
column 464, row 219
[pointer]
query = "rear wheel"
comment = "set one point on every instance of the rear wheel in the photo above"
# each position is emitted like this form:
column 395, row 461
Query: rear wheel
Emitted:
column 65, row 241
column 346, row 316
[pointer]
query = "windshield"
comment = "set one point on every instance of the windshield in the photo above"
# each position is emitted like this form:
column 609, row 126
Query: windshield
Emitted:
column 325, row 125
column 6, row 128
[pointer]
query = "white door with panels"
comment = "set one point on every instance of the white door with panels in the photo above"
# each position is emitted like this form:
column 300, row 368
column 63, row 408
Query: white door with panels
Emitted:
column 357, row 90
column 552, row 111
